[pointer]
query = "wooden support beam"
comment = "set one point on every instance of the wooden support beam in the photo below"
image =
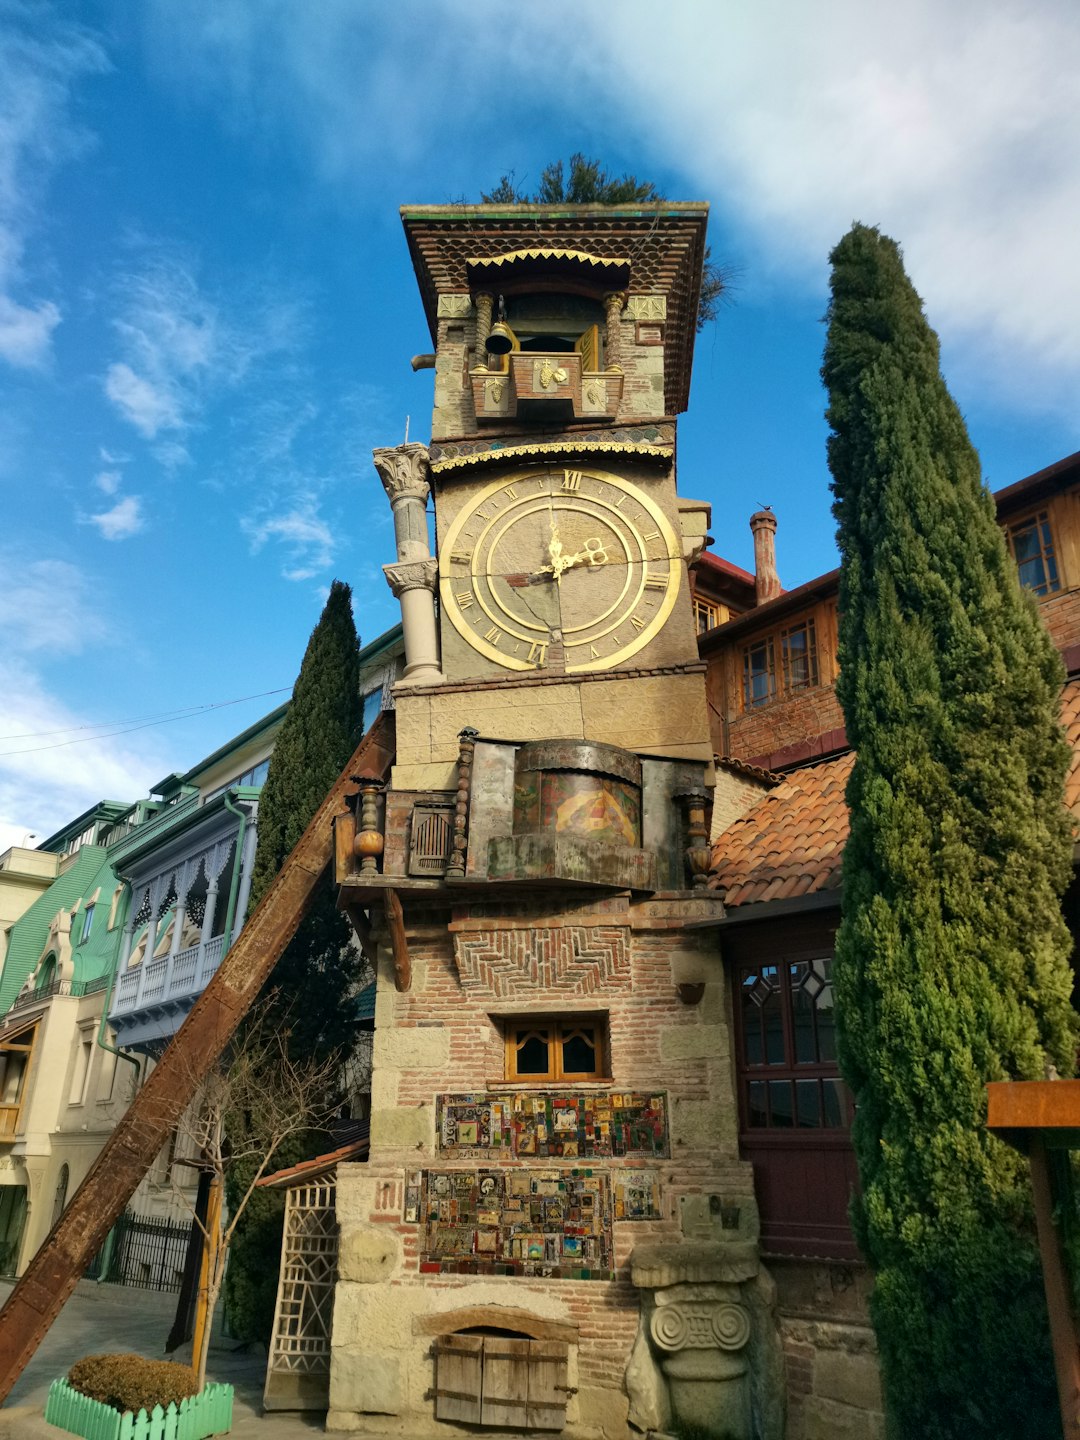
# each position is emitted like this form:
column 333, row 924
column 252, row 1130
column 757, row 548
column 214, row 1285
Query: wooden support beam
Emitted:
column 1063, row 1336
column 399, row 941
column 52, row 1274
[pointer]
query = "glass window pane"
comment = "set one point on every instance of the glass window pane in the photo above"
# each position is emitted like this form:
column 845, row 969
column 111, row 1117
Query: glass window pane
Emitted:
column 781, row 1115
column 753, row 1051
column 757, row 1114
column 835, row 1107
column 808, row 1103
column 774, row 1031
column 579, row 1053
column 533, row 1052
column 802, row 1013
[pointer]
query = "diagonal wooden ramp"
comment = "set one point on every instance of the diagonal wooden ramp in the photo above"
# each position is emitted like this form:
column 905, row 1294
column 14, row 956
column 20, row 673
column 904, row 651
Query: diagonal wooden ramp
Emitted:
column 129, row 1152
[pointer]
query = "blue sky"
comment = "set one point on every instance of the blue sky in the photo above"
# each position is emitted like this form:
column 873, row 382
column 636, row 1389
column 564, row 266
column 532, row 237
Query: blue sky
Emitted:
column 207, row 310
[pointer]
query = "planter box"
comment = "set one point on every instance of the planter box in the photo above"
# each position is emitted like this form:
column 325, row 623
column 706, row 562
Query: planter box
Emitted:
column 208, row 1413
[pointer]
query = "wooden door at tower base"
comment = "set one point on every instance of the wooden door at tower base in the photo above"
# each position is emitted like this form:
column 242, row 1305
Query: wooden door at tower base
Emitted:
column 504, row 1382
column 505, row 1401
column 459, row 1368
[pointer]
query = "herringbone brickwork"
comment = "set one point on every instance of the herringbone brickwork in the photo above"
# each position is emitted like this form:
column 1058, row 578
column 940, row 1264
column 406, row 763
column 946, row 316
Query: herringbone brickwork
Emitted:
column 572, row 959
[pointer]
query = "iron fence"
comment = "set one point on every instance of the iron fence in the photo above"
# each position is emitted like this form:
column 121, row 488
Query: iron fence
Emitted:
column 143, row 1251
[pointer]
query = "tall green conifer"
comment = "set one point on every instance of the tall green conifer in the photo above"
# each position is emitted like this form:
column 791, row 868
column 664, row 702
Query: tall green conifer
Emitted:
column 311, row 987
column 952, row 958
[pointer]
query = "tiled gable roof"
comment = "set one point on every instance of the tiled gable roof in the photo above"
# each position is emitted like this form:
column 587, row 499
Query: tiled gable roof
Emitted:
column 791, row 842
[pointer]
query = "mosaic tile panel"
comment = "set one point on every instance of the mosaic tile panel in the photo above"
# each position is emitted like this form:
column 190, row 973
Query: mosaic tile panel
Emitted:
column 550, row 1223
column 555, row 1126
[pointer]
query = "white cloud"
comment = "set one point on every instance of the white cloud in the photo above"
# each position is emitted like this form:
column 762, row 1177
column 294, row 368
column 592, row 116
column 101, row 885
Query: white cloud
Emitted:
column 122, row 521
column 49, row 612
column 147, row 406
column 46, row 606
column 26, row 332
column 41, row 59
column 107, row 481
column 44, row 783
column 949, row 125
column 307, row 538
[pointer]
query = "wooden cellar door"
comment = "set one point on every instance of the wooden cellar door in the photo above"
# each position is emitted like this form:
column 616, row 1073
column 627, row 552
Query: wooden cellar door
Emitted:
column 458, row 1377
column 502, row 1381
column 505, row 1399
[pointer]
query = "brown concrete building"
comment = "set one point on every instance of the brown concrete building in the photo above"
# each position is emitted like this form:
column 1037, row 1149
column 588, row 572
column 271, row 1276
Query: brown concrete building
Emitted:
column 555, row 1229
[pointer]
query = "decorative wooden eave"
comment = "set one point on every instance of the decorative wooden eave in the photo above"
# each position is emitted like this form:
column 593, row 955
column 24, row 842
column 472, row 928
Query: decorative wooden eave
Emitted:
column 599, row 272
column 663, row 241
column 552, row 450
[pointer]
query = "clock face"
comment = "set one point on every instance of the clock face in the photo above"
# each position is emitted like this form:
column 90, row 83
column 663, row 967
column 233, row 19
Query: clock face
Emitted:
column 548, row 557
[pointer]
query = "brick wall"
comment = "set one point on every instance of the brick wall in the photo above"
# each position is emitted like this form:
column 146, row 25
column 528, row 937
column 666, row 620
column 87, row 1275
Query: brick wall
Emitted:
column 444, row 1035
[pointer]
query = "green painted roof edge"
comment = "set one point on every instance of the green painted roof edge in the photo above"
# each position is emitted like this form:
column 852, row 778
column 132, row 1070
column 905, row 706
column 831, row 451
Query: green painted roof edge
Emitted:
column 89, row 871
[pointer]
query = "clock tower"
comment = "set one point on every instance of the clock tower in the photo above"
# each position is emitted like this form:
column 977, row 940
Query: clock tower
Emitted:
column 554, row 1229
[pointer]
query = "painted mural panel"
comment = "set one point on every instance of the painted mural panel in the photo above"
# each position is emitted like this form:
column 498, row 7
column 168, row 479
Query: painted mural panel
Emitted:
column 555, row 1125
column 550, row 1223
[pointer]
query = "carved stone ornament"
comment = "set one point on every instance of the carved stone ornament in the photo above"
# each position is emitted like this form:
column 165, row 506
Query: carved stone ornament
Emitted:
column 690, row 1326
column 413, row 575
column 646, row 307
column 404, row 472
column 453, row 307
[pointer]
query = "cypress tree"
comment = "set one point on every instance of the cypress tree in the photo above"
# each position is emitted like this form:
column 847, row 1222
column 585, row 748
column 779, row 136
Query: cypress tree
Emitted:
column 952, row 956
column 309, row 993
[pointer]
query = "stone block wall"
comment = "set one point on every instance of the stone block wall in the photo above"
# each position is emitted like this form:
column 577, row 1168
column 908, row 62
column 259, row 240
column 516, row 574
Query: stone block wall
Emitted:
column 830, row 1354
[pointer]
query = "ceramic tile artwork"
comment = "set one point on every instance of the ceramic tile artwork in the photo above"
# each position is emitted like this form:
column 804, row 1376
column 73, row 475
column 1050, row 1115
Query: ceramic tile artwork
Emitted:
column 555, row 1126
column 550, row 1223
column 636, row 1194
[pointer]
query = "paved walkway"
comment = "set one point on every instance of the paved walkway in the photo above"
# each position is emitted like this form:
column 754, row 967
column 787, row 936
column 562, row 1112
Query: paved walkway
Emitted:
column 116, row 1317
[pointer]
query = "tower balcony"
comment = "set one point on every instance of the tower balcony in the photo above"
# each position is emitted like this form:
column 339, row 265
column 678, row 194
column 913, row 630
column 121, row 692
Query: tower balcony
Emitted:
column 549, row 387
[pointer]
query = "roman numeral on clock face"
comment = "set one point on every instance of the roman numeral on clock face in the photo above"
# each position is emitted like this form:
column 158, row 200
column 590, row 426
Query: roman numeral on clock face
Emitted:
column 538, row 652
column 464, row 598
column 655, row 582
column 460, row 557
column 571, row 480
column 493, row 636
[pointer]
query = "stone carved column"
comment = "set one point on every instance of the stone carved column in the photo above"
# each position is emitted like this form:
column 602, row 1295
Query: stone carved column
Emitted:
column 484, row 306
column 613, row 307
column 403, row 470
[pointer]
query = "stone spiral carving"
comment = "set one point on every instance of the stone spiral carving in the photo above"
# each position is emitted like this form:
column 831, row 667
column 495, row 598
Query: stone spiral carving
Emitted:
column 670, row 1328
column 731, row 1327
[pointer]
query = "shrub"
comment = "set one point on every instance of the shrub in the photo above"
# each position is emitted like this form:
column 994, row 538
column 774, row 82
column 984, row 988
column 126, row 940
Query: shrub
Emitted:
column 129, row 1382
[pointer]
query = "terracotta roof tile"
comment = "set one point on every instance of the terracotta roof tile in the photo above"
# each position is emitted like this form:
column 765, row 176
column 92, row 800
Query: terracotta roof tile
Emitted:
column 792, row 841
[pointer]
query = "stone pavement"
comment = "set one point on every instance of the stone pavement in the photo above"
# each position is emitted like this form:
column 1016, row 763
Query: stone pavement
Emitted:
column 116, row 1317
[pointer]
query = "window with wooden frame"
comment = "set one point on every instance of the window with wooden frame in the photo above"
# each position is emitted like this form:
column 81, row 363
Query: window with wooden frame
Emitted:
column 780, row 665
column 787, row 1047
column 16, row 1054
column 1031, row 543
column 563, row 1048
column 708, row 614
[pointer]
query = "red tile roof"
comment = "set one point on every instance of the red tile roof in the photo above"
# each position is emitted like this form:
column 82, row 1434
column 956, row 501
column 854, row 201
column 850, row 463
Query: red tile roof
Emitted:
column 312, row 1169
column 791, row 842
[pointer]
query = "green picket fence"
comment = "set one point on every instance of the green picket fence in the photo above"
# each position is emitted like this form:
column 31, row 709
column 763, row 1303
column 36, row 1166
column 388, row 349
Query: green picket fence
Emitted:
column 208, row 1413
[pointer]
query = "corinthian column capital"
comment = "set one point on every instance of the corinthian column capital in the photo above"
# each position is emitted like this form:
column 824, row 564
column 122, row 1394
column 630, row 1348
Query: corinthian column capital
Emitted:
column 412, row 575
column 403, row 470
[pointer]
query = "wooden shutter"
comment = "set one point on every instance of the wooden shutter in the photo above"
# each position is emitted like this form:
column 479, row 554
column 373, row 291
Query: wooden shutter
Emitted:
column 458, row 1375
column 588, row 347
column 429, row 842
column 506, row 1382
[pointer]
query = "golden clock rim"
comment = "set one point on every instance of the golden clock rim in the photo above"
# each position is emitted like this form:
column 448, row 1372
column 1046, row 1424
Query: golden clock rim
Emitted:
column 673, row 556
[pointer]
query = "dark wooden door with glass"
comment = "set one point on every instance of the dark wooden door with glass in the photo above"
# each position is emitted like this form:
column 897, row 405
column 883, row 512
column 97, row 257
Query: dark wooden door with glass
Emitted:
column 794, row 1110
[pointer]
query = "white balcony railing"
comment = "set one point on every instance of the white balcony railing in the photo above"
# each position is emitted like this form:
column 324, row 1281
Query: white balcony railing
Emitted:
column 168, row 978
